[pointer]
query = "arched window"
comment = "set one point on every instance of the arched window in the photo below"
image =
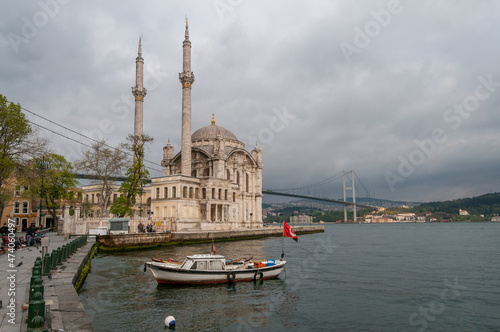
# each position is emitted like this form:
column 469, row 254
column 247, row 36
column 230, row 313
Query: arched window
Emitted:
column 237, row 177
column 247, row 182
column 17, row 207
column 213, row 193
column 92, row 198
column 204, row 193
column 157, row 193
column 165, row 192
column 234, row 197
column 87, row 198
column 197, row 193
column 225, row 195
column 190, row 192
column 174, row 193
column 220, row 193
column 228, row 175
column 193, row 173
column 114, row 197
column 184, row 192
column 206, row 172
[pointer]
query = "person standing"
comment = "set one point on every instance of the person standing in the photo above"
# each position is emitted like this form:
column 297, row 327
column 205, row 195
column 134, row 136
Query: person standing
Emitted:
column 29, row 235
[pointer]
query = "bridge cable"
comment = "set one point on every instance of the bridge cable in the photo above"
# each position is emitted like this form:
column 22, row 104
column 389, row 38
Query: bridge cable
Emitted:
column 316, row 184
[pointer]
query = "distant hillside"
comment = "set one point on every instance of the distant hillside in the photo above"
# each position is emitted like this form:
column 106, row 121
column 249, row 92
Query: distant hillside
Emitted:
column 488, row 204
column 384, row 202
column 325, row 206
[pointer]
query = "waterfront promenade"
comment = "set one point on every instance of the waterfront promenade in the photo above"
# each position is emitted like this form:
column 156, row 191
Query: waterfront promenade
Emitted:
column 66, row 310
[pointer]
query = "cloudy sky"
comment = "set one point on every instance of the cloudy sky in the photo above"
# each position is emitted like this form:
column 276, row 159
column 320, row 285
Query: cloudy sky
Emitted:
column 405, row 93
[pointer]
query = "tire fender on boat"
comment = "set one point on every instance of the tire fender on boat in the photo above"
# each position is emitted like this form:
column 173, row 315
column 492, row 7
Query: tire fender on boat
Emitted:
column 258, row 275
column 231, row 276
column 145, row 267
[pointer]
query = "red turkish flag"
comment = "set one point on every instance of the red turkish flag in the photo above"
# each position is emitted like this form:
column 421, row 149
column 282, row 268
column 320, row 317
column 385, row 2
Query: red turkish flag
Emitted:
column 287, row 231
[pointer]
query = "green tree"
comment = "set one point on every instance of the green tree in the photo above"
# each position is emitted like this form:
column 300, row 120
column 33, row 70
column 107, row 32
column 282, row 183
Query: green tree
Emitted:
column 18, row 144
column 137, row 176
column 58, row 181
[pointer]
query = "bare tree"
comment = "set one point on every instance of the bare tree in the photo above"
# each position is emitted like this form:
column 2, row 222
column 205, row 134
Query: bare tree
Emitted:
column 104, row 162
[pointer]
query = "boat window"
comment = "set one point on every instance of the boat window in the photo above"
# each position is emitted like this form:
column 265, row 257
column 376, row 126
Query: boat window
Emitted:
column 193, row 267
column 187, row 264
column 202, row 265
column 215, row 265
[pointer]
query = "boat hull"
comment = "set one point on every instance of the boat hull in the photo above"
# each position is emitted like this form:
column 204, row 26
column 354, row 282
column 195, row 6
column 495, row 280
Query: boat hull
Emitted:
column 168, row 274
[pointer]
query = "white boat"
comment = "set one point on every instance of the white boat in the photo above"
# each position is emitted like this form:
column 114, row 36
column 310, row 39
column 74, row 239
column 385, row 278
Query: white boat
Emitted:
column 209, row 268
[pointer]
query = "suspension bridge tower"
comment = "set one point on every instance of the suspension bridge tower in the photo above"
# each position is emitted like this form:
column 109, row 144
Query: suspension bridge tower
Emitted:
column 350, row 178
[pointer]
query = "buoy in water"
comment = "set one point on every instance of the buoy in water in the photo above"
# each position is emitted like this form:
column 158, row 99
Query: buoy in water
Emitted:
column 170, row 321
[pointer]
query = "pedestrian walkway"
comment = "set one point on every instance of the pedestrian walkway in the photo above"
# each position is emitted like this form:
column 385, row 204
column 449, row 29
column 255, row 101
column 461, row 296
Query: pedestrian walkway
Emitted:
column 15, row 277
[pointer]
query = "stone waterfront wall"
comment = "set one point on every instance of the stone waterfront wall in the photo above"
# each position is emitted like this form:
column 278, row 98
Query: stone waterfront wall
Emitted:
column 132, row 241
column 148, row 240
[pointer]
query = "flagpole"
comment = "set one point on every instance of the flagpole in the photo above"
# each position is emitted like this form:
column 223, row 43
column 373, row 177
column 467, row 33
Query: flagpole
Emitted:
column 283, row 243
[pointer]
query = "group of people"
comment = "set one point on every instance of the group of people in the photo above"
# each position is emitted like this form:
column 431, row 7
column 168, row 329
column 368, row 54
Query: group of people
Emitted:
column 150, row 228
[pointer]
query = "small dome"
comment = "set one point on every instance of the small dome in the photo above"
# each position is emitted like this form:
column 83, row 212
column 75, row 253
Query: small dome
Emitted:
column 210, row 132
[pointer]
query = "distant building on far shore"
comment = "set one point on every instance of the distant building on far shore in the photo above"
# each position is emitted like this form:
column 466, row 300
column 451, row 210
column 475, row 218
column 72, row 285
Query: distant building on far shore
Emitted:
column 382, row 220
column 301, row 219
column 496, row 218
column 463, row 212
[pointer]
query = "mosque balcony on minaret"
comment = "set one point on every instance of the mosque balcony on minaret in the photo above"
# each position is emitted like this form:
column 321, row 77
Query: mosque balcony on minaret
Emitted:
column 186, row 79
column 139, row 93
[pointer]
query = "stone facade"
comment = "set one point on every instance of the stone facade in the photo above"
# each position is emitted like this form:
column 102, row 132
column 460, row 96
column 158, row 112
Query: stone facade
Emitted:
column 223, row 192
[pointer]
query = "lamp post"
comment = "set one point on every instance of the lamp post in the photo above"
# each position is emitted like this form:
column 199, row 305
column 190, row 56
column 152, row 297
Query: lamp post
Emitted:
column 42, row 165
column 293, row 219
column 251, row 219
column 280, row 219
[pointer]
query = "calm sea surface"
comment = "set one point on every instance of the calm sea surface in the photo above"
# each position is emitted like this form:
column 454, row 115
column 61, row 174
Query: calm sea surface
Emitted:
column 359, row 277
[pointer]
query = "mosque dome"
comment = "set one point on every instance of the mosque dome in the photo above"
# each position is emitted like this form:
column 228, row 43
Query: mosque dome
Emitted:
column 211, row 132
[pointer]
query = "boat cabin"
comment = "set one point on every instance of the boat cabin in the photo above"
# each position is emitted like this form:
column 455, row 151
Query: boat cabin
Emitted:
column 204, row 263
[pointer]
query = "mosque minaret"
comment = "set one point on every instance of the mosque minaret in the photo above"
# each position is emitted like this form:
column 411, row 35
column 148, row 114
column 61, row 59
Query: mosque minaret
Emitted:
column 187, row 79
column 139, row 92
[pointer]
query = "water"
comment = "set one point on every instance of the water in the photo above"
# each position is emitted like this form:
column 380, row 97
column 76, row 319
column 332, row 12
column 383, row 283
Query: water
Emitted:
column 359, row 277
